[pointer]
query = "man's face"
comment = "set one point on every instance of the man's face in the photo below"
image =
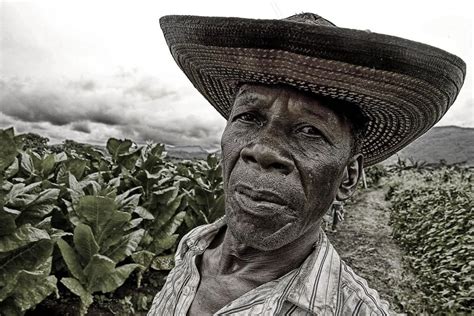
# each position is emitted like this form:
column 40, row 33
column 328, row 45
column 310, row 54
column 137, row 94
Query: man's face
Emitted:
column 284, row 155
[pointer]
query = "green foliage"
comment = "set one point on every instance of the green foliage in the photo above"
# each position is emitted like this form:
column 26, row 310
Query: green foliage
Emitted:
column 35, row 142
column 374, row 175
column 432, row 220
column 112, row 215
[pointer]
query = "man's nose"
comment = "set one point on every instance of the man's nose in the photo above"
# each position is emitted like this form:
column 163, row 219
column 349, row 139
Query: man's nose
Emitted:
column 267, row 158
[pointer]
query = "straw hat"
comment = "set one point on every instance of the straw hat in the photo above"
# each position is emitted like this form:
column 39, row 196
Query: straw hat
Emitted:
column 402, row 87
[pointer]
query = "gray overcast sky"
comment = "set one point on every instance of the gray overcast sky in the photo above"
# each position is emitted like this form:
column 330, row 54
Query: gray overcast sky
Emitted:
column 90, row 70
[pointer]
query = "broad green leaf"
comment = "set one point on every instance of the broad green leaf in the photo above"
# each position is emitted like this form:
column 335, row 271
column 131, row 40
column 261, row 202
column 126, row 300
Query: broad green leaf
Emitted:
column 115, row 182
column 84, row 242
column 71, row 259
column 96, row 210
column 76, row 287
column 190, row 220
column 56, row 234
column 74, row 166
column 132, row 224
column 162, row 242
column 177, row 178
column 143, row 213
column 143, row 257
column 45, row 196
column 7, row 222
column 25, row 258
column 126, row 246
column 130, row 203
column 37, row 161
column 47, row 165
column 117, row 147
column 12, row 169
column 8, row 150
column 42, row 205
column 124, row 199
column 27, row 163
column 29, row 288
column 202, row 196
column 59, row 157
column 9, row 287
column 19, row 194
column 96, row 269
column 11, row 133
column 171, row 227
column 74, row 188
column 21, row 237
column 202, row 187
column 32, row 289
column 113, row 229
column 157, row 150
column 41, row 270
column 165, row 196
column 153, row 175
column 166, row 212
column 163, row 262
column 218, row 210
column 129, row 160
column 110, row 282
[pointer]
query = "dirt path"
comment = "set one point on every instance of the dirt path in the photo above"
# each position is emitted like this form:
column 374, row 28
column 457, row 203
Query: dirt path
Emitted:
column 363, row 240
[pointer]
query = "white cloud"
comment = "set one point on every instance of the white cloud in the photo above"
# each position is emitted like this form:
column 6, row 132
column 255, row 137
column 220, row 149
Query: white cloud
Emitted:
column 59, row 60
column 127, row 105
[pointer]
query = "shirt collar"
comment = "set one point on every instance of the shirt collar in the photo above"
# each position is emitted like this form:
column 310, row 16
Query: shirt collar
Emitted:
column 316, row 286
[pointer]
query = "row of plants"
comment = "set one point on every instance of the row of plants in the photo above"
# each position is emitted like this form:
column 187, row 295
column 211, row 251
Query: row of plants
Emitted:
column 431, row 216
column 83, row 222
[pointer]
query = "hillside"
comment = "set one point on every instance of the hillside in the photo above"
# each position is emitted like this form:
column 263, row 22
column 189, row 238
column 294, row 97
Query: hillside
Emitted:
column 452, row 143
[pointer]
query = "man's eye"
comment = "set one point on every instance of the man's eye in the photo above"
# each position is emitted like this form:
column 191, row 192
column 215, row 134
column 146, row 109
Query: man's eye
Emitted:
column 309, row 131
column 248, row 118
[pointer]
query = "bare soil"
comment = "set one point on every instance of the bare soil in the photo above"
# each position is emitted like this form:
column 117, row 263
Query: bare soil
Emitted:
column 364, row 242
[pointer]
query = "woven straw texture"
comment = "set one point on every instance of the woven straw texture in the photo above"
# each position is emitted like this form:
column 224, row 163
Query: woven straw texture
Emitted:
column 403, row 87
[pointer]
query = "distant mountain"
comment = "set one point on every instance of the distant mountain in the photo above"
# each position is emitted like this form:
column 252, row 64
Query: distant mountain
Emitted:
column 450, row 143
column 186, row 152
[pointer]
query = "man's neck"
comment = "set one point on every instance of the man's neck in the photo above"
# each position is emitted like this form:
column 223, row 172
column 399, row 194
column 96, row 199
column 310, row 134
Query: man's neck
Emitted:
column 256, row 266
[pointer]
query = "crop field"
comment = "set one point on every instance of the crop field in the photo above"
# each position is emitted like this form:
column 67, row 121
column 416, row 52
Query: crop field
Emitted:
column 91, row 231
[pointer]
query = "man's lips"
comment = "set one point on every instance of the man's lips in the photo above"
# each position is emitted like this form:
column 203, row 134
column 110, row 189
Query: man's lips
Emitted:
column 260, row 195
column 261, row 203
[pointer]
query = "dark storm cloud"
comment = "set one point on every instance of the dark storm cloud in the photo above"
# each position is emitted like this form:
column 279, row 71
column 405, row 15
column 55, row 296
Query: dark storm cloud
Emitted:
column 192, row 131
column 41, row 106
column 123, row 106
column 80, row 100
column 81, row 127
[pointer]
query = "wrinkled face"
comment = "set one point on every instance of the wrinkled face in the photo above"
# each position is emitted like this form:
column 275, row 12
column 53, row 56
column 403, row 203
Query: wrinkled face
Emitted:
column 284, row 154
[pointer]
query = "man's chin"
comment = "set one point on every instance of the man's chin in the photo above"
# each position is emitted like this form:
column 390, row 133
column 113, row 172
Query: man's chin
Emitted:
column 256, row 234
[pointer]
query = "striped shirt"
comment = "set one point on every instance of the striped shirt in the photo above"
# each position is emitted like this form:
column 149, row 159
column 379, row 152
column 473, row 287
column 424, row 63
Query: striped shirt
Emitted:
column 322, row 285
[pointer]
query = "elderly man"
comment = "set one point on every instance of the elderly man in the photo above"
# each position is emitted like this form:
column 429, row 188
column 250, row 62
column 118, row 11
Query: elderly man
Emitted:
column 307, row 105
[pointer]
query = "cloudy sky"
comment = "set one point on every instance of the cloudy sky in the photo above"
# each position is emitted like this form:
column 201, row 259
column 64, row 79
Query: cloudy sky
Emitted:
column 90, row 70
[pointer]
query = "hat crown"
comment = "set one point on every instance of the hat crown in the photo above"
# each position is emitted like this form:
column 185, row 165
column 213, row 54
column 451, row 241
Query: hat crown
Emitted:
column 309, row 18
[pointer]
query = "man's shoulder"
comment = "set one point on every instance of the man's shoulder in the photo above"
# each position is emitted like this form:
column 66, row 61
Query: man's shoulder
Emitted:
column 327, row 286
column 359, row 296
column 198, row 238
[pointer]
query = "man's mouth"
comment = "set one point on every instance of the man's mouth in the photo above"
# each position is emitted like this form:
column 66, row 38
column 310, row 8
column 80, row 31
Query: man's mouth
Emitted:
column 260, row 203
column 260, row 195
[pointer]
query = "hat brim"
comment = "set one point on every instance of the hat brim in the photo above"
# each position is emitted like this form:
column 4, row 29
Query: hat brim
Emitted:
column 402, row 87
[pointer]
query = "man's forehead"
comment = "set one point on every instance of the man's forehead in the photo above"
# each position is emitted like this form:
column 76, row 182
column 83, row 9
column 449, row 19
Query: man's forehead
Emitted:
column 264, row 95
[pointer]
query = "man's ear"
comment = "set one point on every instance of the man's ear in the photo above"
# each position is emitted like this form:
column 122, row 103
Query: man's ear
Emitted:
column 350, row 177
